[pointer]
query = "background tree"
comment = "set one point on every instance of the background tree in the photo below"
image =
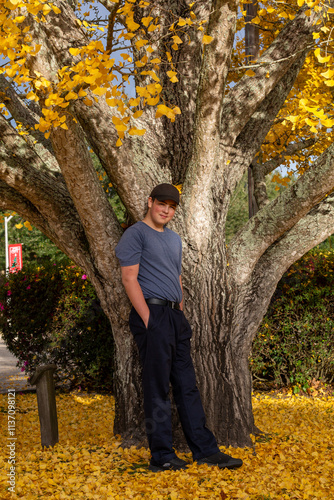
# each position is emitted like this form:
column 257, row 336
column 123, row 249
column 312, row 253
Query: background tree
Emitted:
column 36, row 247
column 66, row 92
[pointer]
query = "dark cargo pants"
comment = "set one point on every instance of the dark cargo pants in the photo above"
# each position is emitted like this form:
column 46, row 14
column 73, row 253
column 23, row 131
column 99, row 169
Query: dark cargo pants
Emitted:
column 164, row 349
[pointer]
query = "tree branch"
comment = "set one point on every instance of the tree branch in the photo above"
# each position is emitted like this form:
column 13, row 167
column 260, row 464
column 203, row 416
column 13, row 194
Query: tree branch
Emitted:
column 254, row 296
column 110, row 6
column 290, row 150
column 10, row 199
column 246, row 96
column 215, row 63
column 309, row 231
column 125, row 169
column 132, row 178
column 280, row 216
column 175, row 139
column 22, row 114
column 250, row 139
column 111, row 24
column 260, row 170
column 41, row 193
column 96, row 214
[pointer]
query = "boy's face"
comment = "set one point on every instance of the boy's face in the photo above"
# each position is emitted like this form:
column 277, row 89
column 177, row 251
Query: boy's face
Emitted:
column 161, row 212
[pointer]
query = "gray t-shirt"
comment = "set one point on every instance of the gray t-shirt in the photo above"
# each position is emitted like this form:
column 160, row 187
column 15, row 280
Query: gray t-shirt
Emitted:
column 159, row 257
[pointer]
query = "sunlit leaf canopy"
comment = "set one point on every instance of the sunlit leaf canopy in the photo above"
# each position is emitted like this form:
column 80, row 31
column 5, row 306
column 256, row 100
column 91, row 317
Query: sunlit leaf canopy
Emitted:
column 308, row 111
column 105, row 66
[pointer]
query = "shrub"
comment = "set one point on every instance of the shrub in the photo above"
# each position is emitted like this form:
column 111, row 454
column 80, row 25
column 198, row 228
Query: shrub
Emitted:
column 295, row 342
column 51, row 314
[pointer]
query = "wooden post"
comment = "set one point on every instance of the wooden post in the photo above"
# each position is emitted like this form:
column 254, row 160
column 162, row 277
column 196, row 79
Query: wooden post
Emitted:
column 46, row 399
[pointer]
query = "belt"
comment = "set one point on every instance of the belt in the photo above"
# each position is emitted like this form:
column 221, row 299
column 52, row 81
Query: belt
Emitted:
column 163, row 302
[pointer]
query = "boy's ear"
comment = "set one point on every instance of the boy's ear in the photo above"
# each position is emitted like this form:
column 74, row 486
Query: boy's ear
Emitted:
column 150, row 202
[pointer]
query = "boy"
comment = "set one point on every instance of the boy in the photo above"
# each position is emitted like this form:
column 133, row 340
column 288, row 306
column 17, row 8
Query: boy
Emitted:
column 150, row 257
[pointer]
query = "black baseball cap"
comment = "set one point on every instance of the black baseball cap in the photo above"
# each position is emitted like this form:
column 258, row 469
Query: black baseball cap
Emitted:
column 166, row 192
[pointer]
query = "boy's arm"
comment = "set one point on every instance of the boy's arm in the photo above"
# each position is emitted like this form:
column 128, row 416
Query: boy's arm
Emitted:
column 134, row 292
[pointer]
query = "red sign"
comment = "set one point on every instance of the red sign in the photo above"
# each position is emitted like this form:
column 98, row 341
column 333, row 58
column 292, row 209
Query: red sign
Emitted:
column 15, row 257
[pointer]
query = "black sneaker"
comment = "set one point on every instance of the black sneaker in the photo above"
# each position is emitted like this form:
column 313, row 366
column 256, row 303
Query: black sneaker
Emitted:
column 173, row 464
column 222, row 460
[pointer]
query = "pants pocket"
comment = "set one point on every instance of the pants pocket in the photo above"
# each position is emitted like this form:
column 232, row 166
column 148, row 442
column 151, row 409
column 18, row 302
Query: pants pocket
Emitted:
column 136, row 324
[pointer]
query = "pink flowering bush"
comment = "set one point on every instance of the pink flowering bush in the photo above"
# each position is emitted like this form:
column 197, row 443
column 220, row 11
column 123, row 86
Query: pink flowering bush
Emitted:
column 51, row 314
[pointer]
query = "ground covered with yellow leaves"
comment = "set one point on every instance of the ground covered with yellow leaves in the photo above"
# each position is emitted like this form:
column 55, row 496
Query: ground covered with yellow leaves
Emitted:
column 294, row 461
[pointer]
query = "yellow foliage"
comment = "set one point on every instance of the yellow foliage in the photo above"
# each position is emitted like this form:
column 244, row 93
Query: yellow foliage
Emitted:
column 292, row 460
column 92, row 71
column 307, row 113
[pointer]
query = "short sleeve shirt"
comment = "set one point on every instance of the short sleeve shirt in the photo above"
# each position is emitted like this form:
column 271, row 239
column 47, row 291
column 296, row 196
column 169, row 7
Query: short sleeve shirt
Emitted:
column 159, row 256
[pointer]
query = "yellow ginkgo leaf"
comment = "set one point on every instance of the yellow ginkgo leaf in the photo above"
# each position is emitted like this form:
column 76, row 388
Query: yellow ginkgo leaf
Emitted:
column 153, row 27
column 74, row 51
column 182, row 22
column 99, row 91
column 131, row 24
column 177, row 39
column 46, row 9
column 152, row 101
column 319, row 57
column 71, row 96
column 138, row 113
column 207, row 39
column 121, row 128
column 292, row 119
column 172, row 76
column 328, row 74
column 140, row 43
column 328, row 123
column 146, row 20
column 136, row 131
